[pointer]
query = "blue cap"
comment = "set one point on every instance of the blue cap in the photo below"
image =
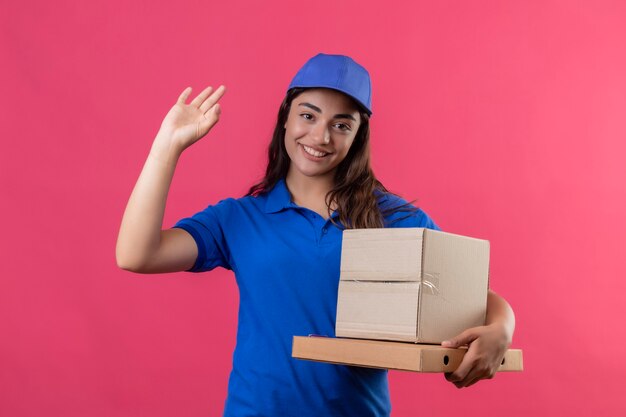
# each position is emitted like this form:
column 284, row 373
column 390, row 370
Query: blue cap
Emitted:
column 338, row 72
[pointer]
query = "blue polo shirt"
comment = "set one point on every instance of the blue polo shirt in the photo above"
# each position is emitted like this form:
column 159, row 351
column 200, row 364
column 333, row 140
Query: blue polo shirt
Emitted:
column 286, row 261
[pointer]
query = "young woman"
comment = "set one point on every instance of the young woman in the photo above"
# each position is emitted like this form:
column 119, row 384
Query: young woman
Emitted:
column 283, row 242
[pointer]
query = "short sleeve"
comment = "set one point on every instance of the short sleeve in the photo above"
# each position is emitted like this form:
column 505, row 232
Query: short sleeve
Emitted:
column 406, row 216
column 419, row 218
column 206, row 228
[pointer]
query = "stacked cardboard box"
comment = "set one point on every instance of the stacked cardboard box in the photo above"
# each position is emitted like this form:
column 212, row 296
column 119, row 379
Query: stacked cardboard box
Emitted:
column 401, row 356
column 406, row 285
column 411, row 284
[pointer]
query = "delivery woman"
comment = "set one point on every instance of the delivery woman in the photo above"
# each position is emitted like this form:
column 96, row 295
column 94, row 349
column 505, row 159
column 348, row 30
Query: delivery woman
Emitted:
column 283, row 242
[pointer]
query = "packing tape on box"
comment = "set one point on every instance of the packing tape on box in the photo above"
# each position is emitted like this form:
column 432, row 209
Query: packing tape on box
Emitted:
column 430, row 283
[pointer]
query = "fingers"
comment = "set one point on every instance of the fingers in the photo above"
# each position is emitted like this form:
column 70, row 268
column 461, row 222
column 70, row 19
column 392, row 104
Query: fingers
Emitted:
column 468, row 365
column 475, row 374
column 184, row 95
column 470, row 372
column 210, row 118
column 212, row 99
column 462, row 372
column 205, row 100
column 465, row 338
column 475, row 380
column 452, row 378
column 463, row 379
column 213, row 114
column 482, row 358
column 196, row 102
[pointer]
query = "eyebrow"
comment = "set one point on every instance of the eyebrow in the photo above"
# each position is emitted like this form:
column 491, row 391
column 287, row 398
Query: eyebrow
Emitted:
column 337, row 116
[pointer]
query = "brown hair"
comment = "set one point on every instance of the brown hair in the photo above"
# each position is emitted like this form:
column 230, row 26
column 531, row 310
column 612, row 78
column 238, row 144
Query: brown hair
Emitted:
column 355, row 182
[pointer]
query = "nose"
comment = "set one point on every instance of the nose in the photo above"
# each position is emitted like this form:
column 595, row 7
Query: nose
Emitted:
column 321, row 134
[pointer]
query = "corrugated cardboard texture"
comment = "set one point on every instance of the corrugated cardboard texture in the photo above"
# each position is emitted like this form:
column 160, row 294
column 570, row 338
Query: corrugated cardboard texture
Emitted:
column 390, row 355
column 458, row 269
column 390, row 278
column 381, row 254
column 390, row 310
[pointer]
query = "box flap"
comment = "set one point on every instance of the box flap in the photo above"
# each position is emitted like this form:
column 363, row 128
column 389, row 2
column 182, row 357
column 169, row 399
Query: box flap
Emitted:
column 381, row 254
column 377, row 310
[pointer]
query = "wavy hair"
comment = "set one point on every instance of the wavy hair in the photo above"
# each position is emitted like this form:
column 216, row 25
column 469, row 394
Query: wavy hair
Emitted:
column 356, row 190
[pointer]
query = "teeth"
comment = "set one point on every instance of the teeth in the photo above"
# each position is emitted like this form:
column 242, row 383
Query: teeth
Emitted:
column 313, row 152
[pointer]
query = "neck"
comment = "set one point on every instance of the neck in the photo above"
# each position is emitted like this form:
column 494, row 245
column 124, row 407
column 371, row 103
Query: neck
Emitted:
column 306, row 191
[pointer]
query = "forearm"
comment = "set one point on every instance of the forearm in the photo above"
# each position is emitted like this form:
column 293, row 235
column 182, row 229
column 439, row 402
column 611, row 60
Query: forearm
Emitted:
column 500, row 313
column 140, row 230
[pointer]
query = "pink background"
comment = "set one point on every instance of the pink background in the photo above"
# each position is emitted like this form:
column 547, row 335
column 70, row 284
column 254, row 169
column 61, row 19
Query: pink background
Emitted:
column 505, row 119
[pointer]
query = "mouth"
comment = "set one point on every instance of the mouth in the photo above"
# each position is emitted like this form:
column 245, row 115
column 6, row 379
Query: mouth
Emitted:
column 314, row 153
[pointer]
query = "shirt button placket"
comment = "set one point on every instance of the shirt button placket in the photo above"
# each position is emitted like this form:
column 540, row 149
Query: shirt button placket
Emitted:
column 324, row 231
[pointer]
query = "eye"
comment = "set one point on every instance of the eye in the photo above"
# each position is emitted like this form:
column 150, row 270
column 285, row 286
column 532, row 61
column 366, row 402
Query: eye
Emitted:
column 343, row 126
column 307, row 116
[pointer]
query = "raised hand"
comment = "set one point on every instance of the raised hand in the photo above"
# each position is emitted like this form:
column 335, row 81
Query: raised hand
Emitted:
column 185, row 124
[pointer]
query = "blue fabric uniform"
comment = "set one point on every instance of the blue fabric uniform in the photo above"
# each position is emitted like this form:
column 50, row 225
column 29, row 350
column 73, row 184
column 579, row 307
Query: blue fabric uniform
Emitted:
column 286, row 260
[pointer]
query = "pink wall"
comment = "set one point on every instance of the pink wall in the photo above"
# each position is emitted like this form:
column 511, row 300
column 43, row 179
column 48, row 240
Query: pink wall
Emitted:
column 506, row 119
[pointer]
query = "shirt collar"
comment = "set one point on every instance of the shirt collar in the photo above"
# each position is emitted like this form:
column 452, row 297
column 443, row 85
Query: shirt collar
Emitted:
column 278, row 198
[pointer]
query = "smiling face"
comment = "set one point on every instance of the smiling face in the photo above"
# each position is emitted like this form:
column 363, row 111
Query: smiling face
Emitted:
column 319, row 131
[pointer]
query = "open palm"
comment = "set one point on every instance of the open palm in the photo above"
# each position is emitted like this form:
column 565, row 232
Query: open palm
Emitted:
column 185, row 124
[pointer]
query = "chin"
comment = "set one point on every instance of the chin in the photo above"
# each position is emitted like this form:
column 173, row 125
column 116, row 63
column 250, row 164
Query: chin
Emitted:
column 312, row 173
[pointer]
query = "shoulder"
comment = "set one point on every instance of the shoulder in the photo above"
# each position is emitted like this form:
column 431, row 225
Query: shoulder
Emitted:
column 227, row 211
column 231, row 206
column 398, row 212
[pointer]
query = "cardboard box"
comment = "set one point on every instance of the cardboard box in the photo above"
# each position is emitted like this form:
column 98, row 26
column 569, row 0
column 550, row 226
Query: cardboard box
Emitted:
column 411, row 284
column 401, row 356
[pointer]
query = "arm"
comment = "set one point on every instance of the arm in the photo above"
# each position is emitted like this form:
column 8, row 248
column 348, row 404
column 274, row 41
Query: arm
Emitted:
column 500, row 313
column 141, row 244
column 487, row 344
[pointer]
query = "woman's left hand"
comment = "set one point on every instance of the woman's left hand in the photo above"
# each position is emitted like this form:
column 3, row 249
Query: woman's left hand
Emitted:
column 487, row 346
